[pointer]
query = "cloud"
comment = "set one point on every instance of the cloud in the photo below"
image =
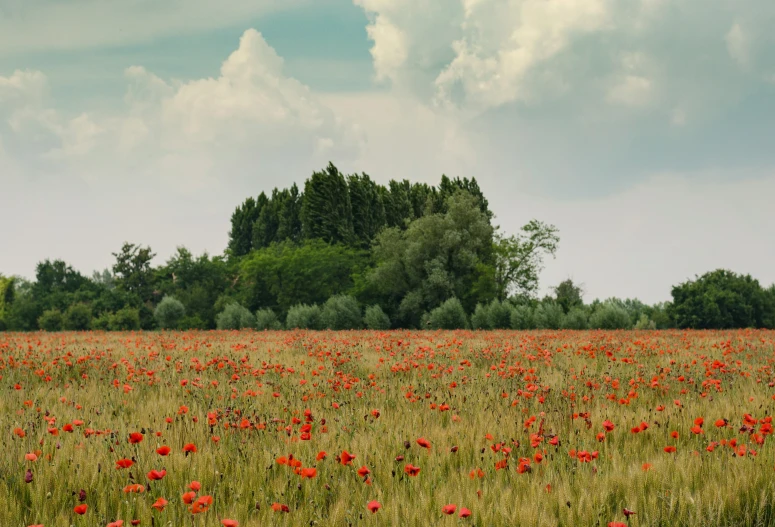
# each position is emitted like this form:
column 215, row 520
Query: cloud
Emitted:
column 738, row 45
column 46, row 25
column 250, row 114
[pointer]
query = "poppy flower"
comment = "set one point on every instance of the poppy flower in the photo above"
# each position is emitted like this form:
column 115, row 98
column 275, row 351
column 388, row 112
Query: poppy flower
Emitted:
column 163, row 450
column 195, row 486
column 346, row 458
column 230, row 523
column 117, row 523
column 155, row 475
column 373, row 506
column 424, row 443
column 279, row 507
column 669, row 449
column 321, row 456
column 189, row 448
column 411, row 470
column 449, row 509
column 465, row 513
column 608, row 425
column 80, row 509
column 188, row 497
column 363, row 471
column 159, row 504
column 309, row 473
column 135, row 437
column 124, row 463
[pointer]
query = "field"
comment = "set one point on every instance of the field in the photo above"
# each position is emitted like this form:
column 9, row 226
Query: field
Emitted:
column 368, row 428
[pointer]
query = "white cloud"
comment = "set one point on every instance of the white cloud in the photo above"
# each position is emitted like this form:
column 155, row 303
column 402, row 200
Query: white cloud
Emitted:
column 251, row 111
column 738, row 45
column 632, row 90
column 41, row 25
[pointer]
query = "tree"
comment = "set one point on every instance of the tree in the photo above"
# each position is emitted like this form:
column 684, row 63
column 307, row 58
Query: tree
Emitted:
column 326, row 212
column 376, row 319
column 568, row 295
column 169, row 313
column 266, row 319
column 519, row 258
column 368, row 211
column 50, row 320
column 398, row 204
column 438, row 256
column 449, row 315
column 235, row 316
column 77, row 317
column 722, row 299
column 341, row 312
column 286, row 274
column 7, row 293
column 242, row 221
column 133, row 270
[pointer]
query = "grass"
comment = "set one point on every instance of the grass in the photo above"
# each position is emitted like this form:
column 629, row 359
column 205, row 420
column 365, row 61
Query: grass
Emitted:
column 472, row 390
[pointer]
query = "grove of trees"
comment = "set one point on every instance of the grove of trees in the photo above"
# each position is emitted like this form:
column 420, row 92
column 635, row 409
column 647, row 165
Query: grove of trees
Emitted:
column 347, row 253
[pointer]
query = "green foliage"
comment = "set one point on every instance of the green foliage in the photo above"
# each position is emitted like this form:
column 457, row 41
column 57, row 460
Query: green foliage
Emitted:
column 77, row 317
column 341, row 312
column 125, row 319
column 102, row 322
column 548, row 315
column 438, row 256
column 326, row 211
column 286, row 274
column 303, row 316
column 7, row 293
column 267, row 319
column 495, row 315
column 576, row 318
column 242, row 221
column 449, row 315
column 610, row 315
column 519, row 259
column 722, row 299
column 480, row 319
column 133, row 271
column 375, row 318
column 644, row 322
column 568, row 295
column 522, row 318
column 169, row 313
column 235, row 316
column 368, row 211
column 50, row 320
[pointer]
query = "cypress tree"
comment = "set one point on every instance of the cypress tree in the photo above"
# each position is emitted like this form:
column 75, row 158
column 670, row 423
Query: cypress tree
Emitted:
column 326, row 212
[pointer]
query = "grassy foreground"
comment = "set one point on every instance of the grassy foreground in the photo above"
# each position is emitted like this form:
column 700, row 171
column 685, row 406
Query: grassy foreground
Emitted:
column 529, row 429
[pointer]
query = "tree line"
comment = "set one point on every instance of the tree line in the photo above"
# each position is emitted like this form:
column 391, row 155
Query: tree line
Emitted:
column 346, row 253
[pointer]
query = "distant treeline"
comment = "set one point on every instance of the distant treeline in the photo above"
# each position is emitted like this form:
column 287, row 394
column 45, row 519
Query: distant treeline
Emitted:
column 349, row 253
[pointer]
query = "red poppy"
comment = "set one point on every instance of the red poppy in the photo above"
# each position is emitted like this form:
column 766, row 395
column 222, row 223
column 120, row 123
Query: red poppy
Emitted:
column 411, row 470
column 135, row 437
column 279, row 507
column 230, row 523
column 124, row 463
column 163, row 450
column 373, row 506
column 189, row 448
column 80, row 509
column 465, row 513
column 346, row 458
column 449, row 509
column 424, row 443
column 159, row 504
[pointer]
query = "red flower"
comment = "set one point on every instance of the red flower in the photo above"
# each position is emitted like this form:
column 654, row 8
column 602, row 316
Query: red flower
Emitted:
column 279, row 507
column 135, row 437
column 189, row 448
column 465, row 513
column 155, row 475
column 411, row 470
column 363, row 471
column 230, row 523
column 346, row 458
column 449, row 509
column 80, row 509
column 159, row 504
column 124, row 463
column 373, row 506
column 424, row 443
column 608, row 425
column 163, row 450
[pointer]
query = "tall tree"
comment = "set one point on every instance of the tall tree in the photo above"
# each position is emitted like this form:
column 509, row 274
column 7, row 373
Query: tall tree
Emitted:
column 568, row 295
column 398, row 204
column 722, row 299
column 519, row 258
column 267, row 223
column 242, row 221
column 133, row 270
column 289, row 226
column 326, row 212
column 367, row 208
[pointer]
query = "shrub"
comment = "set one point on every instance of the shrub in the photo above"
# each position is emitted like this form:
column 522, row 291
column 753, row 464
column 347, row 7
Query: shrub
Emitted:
column 576, row 318
column 102, row 322
column 375, row 318
column 644, row 322
column 522, row 318
column 499, row 314
column 235, row 316
column 548, row 315
column 610, row 316
column 267, row 319
column 125, row 319
column 341, row 312
column 192, row 322
column 449, row 315
column 169, row 313
column 50, row 320
column 77, row 317
column 302, row 316
column 481, row 317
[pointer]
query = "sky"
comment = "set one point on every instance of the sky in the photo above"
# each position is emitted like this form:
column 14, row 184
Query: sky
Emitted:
column 643, row 129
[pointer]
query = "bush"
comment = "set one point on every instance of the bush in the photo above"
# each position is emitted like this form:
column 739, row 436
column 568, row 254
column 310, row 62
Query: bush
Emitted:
column 644, row 322
column 610, row 316
column 102, row 322
column 548, row 315
column 169, row 313
column 499, row 314
column 449, row 315
column 235, row 316
column 77, row 317
column 576, row 318
column 50, row 320
column 302, row 316
column 192, row 322
column 125, row 319
column 481, row 317
column 267, row 319
column 375, row 318
column 341, row 312
column 522, row 318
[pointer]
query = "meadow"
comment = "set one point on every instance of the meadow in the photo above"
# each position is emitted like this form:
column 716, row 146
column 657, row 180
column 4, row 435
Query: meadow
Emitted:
column 563, row 428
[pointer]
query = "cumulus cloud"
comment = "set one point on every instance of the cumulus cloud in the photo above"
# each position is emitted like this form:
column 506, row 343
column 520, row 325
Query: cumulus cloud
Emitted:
column 738, row 45
column 193, row 129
